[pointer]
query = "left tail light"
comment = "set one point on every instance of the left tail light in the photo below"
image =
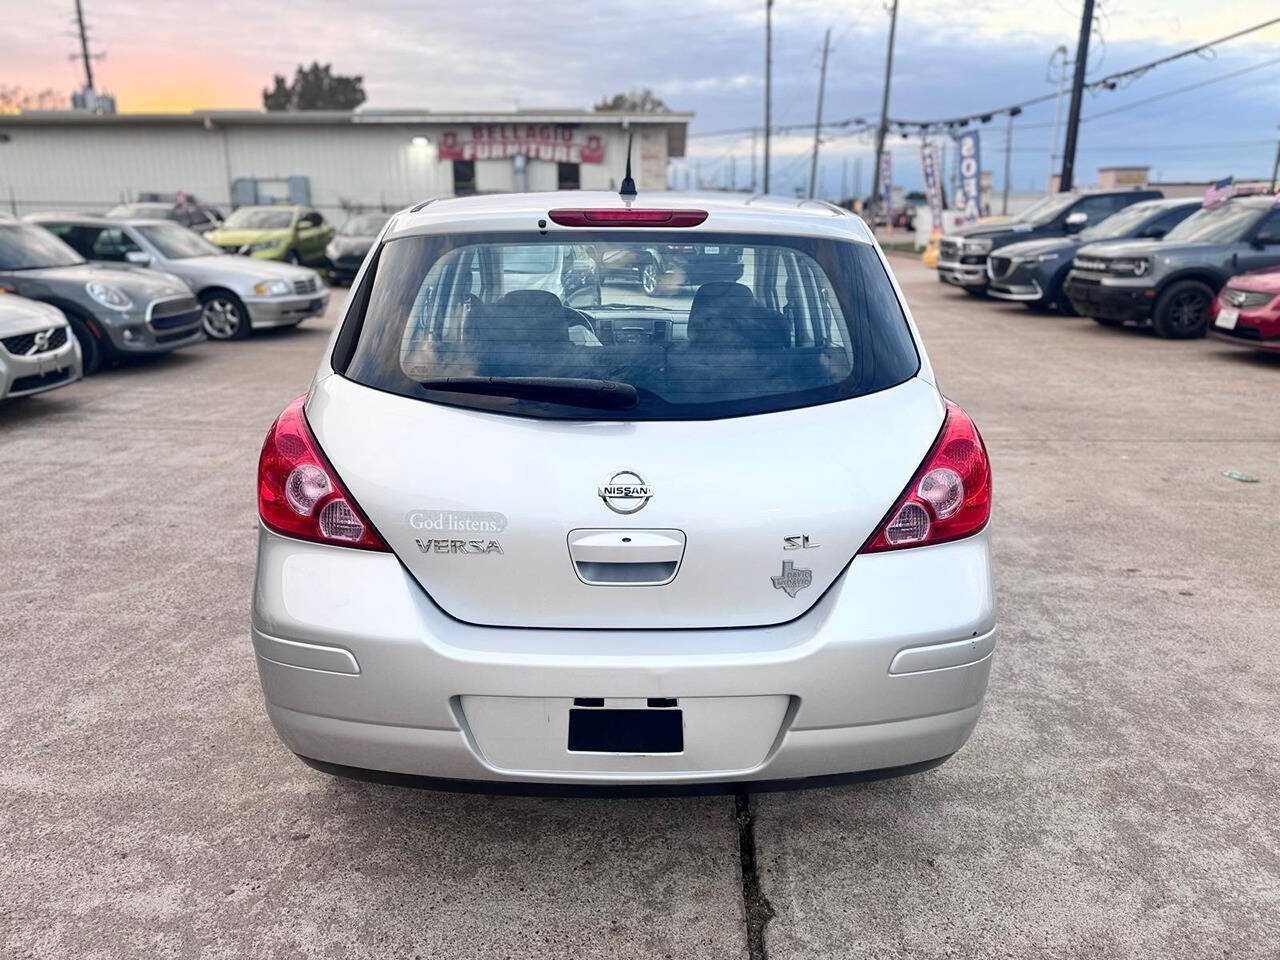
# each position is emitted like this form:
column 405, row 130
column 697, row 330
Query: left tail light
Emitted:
column 300, row 495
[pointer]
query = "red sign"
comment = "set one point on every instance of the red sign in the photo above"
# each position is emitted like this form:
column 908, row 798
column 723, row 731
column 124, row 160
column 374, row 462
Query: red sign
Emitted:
column 501, row 141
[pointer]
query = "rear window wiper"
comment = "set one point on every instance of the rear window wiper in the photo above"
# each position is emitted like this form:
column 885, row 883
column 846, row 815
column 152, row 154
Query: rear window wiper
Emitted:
column 571, row 391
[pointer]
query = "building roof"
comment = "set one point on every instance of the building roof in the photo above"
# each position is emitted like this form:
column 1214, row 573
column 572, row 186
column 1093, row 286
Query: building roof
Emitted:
column 676, row 121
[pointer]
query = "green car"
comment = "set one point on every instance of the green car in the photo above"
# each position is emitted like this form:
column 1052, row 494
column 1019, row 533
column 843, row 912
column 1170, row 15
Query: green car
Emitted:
column 292, row 234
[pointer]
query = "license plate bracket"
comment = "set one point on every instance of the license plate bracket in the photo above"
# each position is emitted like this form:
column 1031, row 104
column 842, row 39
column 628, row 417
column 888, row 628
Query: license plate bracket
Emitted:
column 644, row 731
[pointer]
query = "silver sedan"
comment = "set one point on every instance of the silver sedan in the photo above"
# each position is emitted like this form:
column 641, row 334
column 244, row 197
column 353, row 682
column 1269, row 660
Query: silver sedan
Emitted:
column 238, row 294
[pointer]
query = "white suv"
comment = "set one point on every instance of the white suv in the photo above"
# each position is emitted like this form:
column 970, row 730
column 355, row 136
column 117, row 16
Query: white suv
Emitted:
column 730, row 535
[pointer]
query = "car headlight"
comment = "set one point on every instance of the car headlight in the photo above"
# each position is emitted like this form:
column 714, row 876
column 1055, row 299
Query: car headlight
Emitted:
column 977, row 246
column 272, row 288
column 331, row 250
column 264, row 245
column 1046, row 257
column 1135, row 268
column 107, row 295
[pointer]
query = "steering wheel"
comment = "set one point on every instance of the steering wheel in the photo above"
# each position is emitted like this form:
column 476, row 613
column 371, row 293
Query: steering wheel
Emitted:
column 578, row 318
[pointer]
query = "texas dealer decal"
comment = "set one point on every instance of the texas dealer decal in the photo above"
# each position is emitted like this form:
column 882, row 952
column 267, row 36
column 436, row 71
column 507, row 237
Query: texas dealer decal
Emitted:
column 792, row 579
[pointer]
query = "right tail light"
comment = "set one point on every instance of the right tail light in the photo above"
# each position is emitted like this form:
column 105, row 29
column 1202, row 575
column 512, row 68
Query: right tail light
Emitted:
column 948, row 498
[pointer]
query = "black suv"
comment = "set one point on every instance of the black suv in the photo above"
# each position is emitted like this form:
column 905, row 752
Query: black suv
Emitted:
column 962, row 256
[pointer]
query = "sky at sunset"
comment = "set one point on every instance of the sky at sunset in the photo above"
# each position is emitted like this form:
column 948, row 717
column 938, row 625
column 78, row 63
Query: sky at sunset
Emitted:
column 701, row 55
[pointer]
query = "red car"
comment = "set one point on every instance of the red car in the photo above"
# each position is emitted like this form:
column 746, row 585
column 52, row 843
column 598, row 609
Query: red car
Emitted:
column 1246, row 311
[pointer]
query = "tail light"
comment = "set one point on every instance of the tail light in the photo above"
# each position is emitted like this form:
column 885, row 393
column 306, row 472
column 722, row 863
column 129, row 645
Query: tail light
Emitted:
column 299, row 493
column 627, row 217
column 948, row 498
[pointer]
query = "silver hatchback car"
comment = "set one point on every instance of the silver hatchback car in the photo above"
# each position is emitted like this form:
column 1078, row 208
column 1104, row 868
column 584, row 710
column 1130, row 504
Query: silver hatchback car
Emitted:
column 729, row 536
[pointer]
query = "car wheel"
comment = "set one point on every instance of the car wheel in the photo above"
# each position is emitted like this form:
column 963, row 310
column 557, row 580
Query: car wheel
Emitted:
column 224, row 316
column 649, row 277
column 92, row 354
column 1182, row 312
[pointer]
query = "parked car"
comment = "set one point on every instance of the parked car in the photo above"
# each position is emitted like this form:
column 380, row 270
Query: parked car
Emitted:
column 1033, row 271
column 666, row 267
column 291, row 234
column 646, row 599
column 962, row 256
column 237, row 294
column 37, row 351
column 1246, row 311
column 346, row 251
column 567, row 270
column 199, row 217
column 115, row 310
column 1170, row 283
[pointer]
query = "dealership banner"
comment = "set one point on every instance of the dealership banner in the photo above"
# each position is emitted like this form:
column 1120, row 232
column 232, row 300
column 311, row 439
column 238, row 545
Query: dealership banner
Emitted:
column 932, row 181
column 886, row 181
column 560, row 143
column 970, row 174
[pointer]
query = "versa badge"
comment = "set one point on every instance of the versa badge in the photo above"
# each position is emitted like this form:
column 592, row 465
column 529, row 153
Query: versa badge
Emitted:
column 792, row 580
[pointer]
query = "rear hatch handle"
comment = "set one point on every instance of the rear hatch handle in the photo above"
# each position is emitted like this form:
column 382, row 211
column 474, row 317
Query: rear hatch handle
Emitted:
column 626, row 558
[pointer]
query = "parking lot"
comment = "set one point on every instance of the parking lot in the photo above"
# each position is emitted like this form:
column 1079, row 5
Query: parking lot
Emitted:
column 1118, row 799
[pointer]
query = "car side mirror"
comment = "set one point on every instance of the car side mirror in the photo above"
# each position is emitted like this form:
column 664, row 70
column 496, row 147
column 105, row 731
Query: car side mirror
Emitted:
column 1076, row 221
column 140, row 257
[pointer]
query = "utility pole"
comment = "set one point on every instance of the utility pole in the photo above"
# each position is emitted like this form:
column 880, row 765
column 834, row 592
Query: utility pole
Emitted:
column 84, row 46
column 844, row 180
column 753, row 159
column 1275, row 167
column 884, row 109
column 768, row 84
column 733, row 172
column 1057, row 108
column 857, row 177
column 1008, row 151
column 817, row 123
column 1077, row 94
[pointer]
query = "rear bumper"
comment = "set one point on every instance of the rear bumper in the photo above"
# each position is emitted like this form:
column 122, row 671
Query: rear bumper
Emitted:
column 972, row 275
column 284, row 311
column 360, row 669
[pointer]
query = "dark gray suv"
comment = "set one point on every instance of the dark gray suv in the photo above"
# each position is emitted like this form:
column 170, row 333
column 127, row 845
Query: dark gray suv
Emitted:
column 1170, row 283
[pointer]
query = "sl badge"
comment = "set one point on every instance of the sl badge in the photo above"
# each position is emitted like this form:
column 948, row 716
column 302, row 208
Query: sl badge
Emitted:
column 792, row 580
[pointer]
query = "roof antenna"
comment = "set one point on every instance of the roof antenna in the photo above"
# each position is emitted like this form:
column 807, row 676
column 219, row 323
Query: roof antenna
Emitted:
column 628, row 189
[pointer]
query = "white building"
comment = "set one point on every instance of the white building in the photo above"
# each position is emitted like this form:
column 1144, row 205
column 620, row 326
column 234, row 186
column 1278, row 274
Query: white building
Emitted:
column 332, row 160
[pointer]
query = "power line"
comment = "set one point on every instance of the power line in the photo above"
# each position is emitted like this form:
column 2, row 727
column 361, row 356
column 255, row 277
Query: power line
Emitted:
column 1109, row 82
column 1191, row 86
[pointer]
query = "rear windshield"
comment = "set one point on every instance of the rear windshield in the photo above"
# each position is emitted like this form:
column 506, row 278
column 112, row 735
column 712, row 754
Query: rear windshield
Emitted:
column 724, row 326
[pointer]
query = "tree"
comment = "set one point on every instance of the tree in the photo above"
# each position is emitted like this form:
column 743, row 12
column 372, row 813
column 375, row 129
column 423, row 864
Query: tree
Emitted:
column 14, row 99
column 315, row 88
column 636, row 101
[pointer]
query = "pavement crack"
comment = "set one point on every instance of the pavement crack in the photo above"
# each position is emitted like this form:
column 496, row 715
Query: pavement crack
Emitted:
column 756, row 908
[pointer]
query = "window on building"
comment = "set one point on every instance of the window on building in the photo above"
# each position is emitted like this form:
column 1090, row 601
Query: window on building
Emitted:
column 568, row 176
column 464, row 178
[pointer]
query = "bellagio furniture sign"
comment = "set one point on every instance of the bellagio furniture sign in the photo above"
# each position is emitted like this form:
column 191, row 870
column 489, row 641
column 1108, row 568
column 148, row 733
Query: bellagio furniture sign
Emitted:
column 559, row 143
